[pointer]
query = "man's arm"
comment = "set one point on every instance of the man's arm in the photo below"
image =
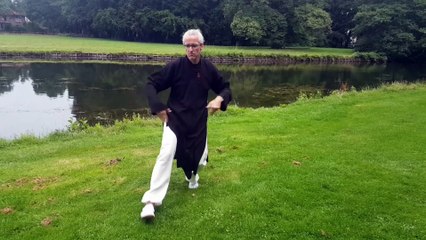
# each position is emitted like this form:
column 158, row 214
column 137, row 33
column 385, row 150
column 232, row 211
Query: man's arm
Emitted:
column 220, row 86
column 158, row 82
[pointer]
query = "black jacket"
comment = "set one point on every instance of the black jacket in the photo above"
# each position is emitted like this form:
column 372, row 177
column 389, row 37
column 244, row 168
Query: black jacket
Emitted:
column 190, row 84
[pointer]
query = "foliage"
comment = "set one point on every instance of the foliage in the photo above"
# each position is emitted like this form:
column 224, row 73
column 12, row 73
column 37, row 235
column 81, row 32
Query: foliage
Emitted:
column 5, row 6
column 246, row 29
column 396, row 28
column 392, row 30
column 257, row 23
column 312, row 25
column 106, row 23
column 77, row 125
column 342, row 13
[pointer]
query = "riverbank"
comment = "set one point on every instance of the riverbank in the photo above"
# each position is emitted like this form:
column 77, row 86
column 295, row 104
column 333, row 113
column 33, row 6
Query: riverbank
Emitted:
column 60, row 48
column 347, row 166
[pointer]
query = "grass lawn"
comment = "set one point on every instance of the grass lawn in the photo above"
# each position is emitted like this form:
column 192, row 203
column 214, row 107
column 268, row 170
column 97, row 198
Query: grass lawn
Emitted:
column 348, row 166
column 28, row 43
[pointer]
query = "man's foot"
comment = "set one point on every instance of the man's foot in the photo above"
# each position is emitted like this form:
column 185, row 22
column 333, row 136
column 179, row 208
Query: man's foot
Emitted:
column 148, row 212
column 193, row 182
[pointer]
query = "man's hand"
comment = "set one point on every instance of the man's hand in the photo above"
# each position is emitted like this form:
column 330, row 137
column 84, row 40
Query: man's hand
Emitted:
column 163, row 115
column 214, row 104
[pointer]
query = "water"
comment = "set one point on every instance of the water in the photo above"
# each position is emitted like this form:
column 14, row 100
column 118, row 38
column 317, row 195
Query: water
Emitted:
column 39, row 98
column 33, row 113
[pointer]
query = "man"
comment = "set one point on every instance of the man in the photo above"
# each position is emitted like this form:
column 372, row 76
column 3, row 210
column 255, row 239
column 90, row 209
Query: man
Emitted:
column 185, row 116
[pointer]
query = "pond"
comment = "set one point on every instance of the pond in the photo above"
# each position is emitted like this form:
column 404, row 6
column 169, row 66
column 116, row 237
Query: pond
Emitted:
column 39, row 98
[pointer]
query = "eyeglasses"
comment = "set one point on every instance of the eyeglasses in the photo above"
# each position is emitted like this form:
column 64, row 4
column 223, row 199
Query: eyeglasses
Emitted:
column 193, row 46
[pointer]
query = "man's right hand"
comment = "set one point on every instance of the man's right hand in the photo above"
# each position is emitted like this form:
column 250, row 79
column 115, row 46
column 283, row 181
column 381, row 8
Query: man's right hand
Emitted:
column 163, row 115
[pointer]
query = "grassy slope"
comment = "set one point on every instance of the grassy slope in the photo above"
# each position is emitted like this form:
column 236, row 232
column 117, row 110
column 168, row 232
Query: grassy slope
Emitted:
column 50, row 43
column 349, row 166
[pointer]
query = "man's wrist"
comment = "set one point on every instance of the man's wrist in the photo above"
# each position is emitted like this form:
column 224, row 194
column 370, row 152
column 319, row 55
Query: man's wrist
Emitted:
column 219, row 98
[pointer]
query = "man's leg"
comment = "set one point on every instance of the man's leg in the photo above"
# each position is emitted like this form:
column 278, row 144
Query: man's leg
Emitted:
column 160, row 177
column 193, row 182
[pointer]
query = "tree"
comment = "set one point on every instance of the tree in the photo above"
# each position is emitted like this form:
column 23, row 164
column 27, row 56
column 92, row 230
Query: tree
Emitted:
column 219, row 33
column 256, row 23
column 165, row 24
column 46, row 13
column 311, row 25
column 5, row 6
column 342, row 13
column 273, row 23
column 419, row 17
column 79, row 16
column 391, row 29
column 246, row 29
column 106, row 23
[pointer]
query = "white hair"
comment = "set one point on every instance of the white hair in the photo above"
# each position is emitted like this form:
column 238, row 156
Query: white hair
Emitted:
column 193, row 32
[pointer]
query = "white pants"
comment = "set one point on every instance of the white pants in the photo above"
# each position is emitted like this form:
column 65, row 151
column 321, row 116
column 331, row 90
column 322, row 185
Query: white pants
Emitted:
column 162, row 171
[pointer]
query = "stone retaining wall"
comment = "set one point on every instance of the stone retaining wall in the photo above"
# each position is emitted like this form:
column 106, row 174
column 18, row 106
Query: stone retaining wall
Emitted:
column 164, row 59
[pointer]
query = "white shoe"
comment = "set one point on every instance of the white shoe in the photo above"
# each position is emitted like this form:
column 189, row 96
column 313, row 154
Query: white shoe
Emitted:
column 148, row 212
column 193, row 182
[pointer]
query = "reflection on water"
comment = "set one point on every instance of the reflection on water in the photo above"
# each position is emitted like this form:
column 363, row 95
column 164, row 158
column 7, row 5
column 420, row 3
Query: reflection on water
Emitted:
column 23, row 111
column 38, row 98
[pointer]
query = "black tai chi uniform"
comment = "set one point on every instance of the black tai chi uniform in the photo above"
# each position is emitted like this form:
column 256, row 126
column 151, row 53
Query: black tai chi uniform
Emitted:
column 190, row 84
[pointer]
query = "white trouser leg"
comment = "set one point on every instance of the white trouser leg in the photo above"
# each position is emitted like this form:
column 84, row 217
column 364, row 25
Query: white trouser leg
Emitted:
column 160, row 177
column 193, row 182
column 203, row 160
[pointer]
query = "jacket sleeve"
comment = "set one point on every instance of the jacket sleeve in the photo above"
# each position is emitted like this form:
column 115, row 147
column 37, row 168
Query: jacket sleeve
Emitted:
column 158, row 82
column 221, row 87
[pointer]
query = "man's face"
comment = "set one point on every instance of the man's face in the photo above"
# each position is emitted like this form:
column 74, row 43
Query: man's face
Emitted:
column 193, row 49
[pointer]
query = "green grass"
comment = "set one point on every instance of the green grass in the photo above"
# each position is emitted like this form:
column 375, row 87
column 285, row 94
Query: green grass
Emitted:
column 27, row 43
column 348, row 166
